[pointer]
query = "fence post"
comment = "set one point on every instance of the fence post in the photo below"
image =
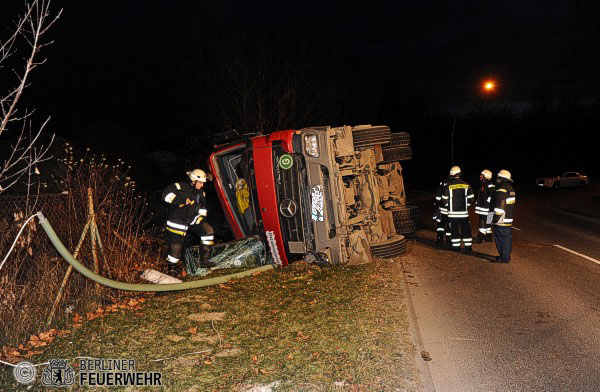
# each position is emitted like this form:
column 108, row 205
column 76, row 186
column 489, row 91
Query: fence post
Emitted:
column 67, row 274
column 93, row 235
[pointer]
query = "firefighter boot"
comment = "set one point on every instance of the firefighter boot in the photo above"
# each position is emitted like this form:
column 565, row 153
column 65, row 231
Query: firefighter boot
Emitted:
column 440, row 238
column 480, row 238
column 174, row 270
column 205, row 256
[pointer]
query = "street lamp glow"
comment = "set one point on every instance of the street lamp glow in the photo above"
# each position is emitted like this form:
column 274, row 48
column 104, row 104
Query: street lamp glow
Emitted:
column 489, row 86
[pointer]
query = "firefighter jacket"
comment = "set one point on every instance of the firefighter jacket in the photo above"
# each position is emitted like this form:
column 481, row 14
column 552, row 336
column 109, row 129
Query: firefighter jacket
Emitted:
column 503, row 203
column 482, row 204
column 457, row 197
column 438, row 198
column 179, row 214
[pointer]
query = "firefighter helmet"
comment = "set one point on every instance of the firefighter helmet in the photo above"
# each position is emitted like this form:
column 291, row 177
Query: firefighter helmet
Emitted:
column 504, row 174
column 486, row 174
column 455, row 170
column 197, row 175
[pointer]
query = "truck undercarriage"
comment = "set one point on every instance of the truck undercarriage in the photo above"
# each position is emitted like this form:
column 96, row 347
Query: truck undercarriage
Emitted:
column 326, row 194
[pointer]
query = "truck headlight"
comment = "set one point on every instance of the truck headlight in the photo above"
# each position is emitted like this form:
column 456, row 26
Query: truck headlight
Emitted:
column 311, row 145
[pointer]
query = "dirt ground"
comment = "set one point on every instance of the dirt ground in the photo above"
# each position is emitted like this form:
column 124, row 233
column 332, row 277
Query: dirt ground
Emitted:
column 300, row 328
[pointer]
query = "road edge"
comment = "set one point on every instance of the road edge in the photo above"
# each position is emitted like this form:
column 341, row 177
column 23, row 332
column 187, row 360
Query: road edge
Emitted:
column 415, row 333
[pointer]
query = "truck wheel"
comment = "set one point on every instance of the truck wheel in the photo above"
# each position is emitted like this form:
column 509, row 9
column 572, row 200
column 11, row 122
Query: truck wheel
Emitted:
column 397, row 153
column 407, row 220
column 393, row 247
column 369, row 137
column 398, row 139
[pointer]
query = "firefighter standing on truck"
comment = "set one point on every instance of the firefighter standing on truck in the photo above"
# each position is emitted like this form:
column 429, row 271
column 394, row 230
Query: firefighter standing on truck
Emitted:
column 442, row 228
column 482, row 206
column 187, row 210
column 502, row 209
column 457, row 198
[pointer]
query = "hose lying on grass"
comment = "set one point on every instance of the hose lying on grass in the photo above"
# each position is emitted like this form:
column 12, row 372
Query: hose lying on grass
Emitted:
column 135, row 286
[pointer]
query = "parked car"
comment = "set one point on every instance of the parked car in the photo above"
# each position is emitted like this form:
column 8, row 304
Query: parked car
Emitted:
column 567, row 180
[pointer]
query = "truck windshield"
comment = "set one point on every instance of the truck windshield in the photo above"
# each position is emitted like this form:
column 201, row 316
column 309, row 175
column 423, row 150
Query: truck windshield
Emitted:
column 234, row 175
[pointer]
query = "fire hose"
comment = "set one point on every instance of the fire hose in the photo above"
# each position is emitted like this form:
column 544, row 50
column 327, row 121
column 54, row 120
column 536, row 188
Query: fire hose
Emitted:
column 64, row 252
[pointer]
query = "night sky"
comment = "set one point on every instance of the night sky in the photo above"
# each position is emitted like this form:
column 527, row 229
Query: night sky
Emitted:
column 121, row 68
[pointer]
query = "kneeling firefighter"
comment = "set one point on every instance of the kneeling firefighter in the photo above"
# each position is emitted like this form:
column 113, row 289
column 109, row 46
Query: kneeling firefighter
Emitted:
column 186, row 212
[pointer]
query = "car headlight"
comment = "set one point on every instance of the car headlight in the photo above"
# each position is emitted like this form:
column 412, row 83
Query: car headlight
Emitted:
column 311, row 145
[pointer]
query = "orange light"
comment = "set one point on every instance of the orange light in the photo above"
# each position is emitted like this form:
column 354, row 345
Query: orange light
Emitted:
column 489, row 86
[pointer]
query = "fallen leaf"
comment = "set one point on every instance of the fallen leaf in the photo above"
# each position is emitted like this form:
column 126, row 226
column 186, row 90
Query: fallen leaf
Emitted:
column 175, row 338
column 290, row 357
column 216, row 316
column 254, row 359
column 224, row 287
column 46, row 336
column 203, row 338
column 207, row 362
column 262, row 371
column 193, row 330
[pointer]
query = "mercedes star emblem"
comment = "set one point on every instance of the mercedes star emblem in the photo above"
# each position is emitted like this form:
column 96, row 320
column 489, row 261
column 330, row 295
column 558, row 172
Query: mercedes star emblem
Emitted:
column 288, row 208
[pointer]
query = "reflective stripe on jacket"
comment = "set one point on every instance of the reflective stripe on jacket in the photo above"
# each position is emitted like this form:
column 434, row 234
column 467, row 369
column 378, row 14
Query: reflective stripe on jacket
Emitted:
column 503, row 204
column 457, row 197
column 482, row 204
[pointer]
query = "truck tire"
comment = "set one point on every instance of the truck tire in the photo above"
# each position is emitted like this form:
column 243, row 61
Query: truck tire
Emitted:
column 396, row 154
column 407, row 220
column 393, row 247
column 398, row 139
column 369, row 137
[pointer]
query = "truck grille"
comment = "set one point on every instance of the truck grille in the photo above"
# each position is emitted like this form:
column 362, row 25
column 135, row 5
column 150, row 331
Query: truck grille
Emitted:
column 290, row 186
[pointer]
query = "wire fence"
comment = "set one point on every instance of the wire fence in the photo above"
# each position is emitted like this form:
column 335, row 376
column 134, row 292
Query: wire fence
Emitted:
column 15, row 209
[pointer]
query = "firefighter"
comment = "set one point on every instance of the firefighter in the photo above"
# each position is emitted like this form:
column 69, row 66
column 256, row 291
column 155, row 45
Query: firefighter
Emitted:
column 503, row 206
column 442, row 228
column 457, row 197
column 482, row 206
column 187, row 210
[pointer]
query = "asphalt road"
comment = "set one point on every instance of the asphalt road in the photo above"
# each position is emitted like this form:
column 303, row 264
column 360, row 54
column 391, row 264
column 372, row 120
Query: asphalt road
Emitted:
column 530, row 325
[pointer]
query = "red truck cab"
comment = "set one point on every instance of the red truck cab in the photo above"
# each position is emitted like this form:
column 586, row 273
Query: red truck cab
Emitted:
column 255, row 161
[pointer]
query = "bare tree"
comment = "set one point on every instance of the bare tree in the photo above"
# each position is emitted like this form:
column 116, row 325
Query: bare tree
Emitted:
column 25, row 151
column 257, row 82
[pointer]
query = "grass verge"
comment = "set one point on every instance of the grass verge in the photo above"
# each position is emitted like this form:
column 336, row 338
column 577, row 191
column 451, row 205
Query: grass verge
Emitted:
column 301, row 327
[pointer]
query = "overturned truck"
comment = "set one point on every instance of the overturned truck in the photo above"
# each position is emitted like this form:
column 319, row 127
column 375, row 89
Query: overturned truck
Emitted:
column 324, row 194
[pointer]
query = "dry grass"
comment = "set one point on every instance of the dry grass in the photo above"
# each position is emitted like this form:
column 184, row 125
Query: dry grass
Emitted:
column 30, row 279
column 304, row 327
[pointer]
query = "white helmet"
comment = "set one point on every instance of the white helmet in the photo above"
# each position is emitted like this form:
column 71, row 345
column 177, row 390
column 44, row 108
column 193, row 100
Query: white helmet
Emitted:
column 486, row 174
column 504, row 174
column 455, row 170
column 197, row 175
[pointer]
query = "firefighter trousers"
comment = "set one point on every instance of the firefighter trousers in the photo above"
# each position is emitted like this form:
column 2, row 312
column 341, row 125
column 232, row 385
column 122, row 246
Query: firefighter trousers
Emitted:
column 460, row 232
column 503, row 240
column 203, row 232
column 175, row 242
column 485, row 230
column 442, row 227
